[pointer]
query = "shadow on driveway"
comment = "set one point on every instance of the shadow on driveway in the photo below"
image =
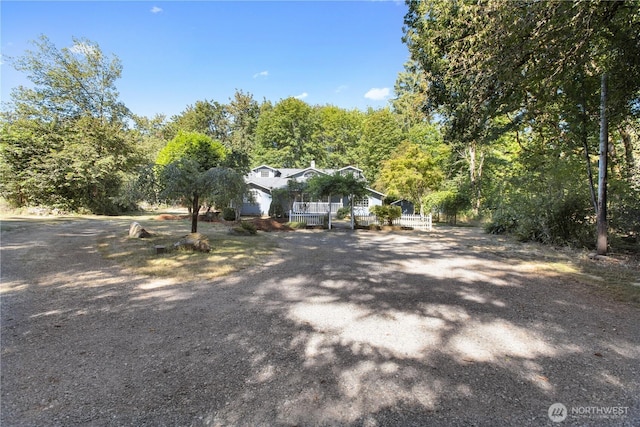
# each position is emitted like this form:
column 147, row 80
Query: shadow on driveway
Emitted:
column 346, row 328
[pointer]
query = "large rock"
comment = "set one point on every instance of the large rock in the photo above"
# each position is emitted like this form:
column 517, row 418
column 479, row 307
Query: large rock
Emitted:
column 136, row 231
column 194, row 242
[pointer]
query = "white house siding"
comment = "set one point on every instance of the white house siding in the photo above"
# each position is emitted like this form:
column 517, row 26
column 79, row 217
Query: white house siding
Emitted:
column 259, row 206
column 263, row 178
column 375, row 199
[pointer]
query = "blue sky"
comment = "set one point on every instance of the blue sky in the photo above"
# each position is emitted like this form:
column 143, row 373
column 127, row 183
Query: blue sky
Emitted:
column 344, row 53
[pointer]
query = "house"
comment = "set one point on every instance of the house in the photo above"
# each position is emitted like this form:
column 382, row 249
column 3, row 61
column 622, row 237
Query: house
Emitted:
column 408, row 208
column 263, row 179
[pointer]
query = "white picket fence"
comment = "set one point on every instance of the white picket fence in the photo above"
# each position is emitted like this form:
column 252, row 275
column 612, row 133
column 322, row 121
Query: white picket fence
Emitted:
column 315, row 207
column 308, row 218
column 417, row 222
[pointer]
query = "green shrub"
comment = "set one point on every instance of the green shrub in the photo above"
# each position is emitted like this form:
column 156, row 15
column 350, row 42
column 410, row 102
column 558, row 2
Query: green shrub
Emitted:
column 275, row 209
column 296, row 225
column 229, row 214
column 386, row 213
column 249, row 227
column 562, row 220
column 343, row 212
column 501, row 223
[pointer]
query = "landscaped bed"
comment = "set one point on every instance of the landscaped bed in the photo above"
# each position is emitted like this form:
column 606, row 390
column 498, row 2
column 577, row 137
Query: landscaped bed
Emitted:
column 229, row 251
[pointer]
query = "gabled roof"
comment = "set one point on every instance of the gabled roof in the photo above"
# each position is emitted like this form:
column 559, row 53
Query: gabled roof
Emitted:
column 349, row 167
column 264, row 166
column 260, row 185
column 267, row 183
column 290, row 173
column 284, row 175
column 376, row 192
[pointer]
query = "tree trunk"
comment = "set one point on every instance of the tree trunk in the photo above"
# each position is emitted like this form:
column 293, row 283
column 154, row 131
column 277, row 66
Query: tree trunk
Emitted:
column 585, row 144
column 479, row 183
column 353, row 220
column 475, row 176
column 472, row 171
column 329, row 211
column 630, row 163
column 195, row 209
column 601, row 244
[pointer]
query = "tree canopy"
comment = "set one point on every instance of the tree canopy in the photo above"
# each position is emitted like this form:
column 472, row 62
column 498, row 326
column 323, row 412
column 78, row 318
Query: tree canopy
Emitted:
column 411, row 173
column 190, row 172
column 200, row 148
column 284, row 135
column 68, row 83
column 528, row 68
column 64, row 140
column 496, row 115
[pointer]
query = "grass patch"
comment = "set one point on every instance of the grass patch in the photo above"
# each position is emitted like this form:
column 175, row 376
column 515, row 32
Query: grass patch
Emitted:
column 229, row 252
column 297, row 225
column 617, row 277
column 620, row 280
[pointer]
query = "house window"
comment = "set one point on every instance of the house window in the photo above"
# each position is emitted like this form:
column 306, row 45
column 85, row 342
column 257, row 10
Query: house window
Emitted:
column 361, row 206
column 264, row 173
column 252, row 197
column 361, row 203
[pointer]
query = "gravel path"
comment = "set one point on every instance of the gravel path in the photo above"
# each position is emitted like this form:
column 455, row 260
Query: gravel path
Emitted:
column 336, row 328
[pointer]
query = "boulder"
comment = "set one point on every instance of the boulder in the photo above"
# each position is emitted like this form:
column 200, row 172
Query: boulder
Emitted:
column 136, row 231
column 194, row 242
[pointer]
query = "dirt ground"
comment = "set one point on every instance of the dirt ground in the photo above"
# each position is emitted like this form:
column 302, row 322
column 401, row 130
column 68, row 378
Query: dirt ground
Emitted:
column 335, row 328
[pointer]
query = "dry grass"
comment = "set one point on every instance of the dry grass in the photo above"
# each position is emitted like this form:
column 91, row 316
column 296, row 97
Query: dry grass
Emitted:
column 617, row 276
column 229, row 253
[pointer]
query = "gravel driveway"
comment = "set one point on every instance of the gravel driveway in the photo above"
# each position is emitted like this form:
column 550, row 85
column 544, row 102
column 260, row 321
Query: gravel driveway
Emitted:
column 336, row 328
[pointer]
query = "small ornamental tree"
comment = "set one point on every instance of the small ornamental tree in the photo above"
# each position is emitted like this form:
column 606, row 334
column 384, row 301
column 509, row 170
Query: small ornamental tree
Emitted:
column 386, row 213
column 332, row 185
column 207, row 152
column 354, row 188
column 188, row 171
column 229, row 189
column 320, row 186
column 182, row 180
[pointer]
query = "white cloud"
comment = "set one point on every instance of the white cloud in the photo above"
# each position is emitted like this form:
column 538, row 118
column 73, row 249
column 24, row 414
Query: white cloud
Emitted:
column 377, row 94
column 303, row 95
column 341, row 88
column 261, row 74
column 82, row 49
column 156, row 9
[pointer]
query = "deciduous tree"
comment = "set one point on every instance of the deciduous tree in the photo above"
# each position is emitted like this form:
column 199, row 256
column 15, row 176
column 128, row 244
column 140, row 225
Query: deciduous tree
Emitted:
column 188, row 170
column 381, row 134
column 410, row 173
column 64, row 140
column 284, row 135
column 525, row 60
